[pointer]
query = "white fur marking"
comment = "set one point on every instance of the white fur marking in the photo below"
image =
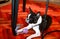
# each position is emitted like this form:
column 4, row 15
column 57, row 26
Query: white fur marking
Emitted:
column 29, row 16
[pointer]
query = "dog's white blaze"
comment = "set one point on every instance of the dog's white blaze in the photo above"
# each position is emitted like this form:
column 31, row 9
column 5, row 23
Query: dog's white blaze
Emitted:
column 29, row 16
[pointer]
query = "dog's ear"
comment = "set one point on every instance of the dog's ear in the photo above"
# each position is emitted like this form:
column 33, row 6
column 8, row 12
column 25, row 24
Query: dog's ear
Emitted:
column 30, row 10
column 38, row 13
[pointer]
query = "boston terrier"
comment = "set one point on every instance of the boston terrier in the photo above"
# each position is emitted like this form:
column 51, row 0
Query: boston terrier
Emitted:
column 34, row 20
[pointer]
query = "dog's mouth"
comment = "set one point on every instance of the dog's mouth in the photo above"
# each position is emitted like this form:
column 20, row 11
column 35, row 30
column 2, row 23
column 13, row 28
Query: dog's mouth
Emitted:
column 29, row 20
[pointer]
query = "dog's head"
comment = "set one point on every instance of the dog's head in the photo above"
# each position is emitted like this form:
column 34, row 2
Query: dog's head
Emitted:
column 32, row 17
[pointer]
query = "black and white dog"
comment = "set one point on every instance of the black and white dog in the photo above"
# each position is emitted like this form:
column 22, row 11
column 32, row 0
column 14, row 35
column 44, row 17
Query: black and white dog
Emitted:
column 34, row 21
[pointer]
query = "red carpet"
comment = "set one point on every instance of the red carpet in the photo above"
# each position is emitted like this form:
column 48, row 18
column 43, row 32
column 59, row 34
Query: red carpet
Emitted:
column 5, row 20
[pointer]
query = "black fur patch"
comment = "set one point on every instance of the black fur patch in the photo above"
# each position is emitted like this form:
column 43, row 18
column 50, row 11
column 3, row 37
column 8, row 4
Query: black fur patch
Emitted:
column 45, row 24
column 33, row 18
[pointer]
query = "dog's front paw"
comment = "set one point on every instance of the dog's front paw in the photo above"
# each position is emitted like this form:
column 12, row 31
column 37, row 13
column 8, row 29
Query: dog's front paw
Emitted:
column 19, row 33
column 25, row 30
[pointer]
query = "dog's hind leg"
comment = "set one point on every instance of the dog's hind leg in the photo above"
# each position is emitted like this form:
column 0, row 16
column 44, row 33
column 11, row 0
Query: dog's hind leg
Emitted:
column 37, row 33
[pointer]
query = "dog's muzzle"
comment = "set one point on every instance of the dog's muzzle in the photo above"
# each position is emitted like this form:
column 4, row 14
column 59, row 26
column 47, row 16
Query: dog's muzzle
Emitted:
column 27, row 20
